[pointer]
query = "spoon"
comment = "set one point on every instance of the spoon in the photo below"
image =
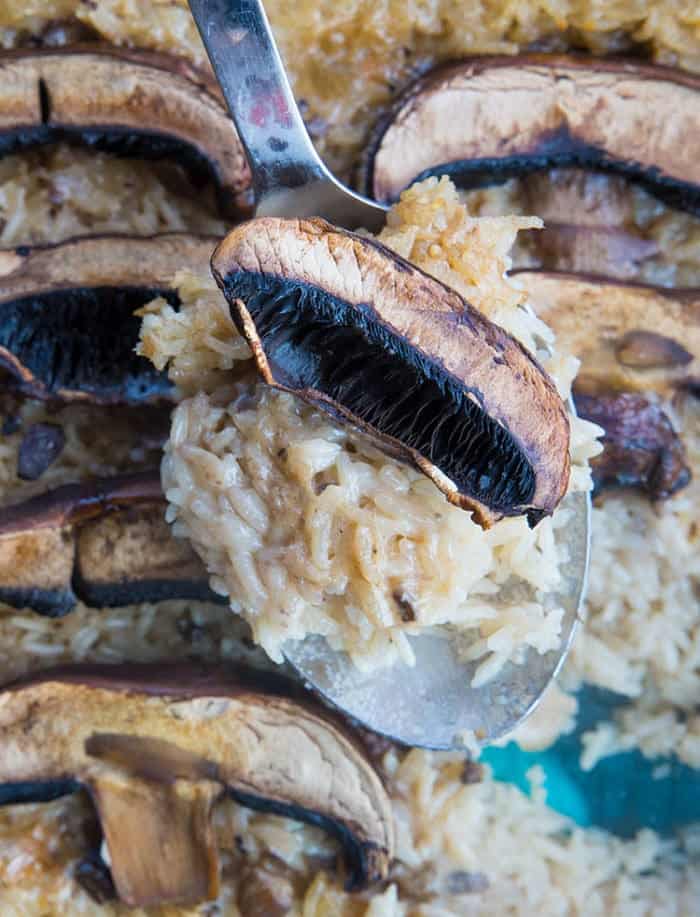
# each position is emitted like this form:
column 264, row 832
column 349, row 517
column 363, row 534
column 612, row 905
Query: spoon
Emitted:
column 433, row 703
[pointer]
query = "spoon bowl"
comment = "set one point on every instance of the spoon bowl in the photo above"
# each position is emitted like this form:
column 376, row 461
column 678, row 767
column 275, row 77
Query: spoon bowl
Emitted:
column 432, row 703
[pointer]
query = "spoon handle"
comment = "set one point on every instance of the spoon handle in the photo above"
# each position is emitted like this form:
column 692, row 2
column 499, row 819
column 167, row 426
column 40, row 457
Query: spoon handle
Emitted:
column 238, row 39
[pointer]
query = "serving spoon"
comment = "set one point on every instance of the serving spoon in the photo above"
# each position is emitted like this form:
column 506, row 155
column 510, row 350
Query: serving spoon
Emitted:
column 432, row 703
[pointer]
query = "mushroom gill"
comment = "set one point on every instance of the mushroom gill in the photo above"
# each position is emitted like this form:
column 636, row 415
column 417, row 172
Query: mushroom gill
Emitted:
column 157, row 746
column 352, row 328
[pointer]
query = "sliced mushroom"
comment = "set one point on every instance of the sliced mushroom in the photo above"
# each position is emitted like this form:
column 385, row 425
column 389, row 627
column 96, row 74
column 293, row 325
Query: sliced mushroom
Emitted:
column 352, row 328
column 156, row 746
column 67, row 328
column 637, row 345
column 132, row 103
column 641, row 449
column 602, row 249
column 105, row 542
column 612, row 328
column 589, row 224
column 487, row 119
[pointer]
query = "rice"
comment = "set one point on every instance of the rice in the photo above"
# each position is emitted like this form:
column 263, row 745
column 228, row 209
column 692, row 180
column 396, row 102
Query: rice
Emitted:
column 344, row 60
column 308, row 529
column 51, row 194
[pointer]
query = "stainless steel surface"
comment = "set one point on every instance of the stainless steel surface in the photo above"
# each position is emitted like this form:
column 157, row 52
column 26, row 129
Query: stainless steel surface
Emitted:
column 433, row 702
column 289, row 177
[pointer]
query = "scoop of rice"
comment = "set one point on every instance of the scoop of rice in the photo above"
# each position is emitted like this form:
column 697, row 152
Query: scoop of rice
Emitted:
column 307, row 527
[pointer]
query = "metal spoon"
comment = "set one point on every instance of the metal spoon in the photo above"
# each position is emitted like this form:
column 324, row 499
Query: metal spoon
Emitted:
column 433, row 703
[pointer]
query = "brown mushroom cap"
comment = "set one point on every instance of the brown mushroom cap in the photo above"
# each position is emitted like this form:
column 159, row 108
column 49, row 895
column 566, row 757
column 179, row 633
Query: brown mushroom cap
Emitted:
column 157, row 745
column 351, row 327
column 104, row 541
column 603, row 321
column 487, row 119
column 638, row 345
column 133, row 103
column 67, row 328
column 641, row 449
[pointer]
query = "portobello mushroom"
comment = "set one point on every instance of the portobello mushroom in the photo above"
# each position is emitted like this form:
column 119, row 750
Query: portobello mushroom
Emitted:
column 131, row 103
column 348, row 325
column 588, row 224
column 641, row 449
column 156, row 746
column 487, row 119
column 628, row 336
column 67, row 328
column 639, row 347
column 105, row 542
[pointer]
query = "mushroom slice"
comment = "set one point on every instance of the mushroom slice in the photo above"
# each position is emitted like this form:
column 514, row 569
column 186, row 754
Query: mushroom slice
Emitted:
column 132, row 103
column 640, row 447
column 639, row 346
column 490, row 118
column 352, row 328
column 604, row 249
column 628, row 336
column 67, row 328
column 596, row 237
column 105, row 542
column 156, row 746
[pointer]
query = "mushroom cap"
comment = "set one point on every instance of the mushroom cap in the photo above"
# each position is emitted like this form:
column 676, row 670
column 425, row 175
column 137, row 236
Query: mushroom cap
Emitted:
column 605, row 322
column 351, row 327
column 639, row 347
column 103, row 541
column 131, row 102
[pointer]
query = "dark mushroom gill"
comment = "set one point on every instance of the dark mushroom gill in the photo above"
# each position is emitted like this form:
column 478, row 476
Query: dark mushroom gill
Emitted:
column 82, row 340
column 317, row 343
column 354, row 329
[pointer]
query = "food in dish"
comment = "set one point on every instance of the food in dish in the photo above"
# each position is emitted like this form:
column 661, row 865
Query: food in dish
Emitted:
column 463, row 844
column 358, row 332
column 132, row 103
column 68, row 329
column 639, row 348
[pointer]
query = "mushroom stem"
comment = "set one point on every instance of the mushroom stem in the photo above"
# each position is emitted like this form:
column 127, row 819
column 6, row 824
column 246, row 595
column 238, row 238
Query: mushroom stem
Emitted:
column 159, row 837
